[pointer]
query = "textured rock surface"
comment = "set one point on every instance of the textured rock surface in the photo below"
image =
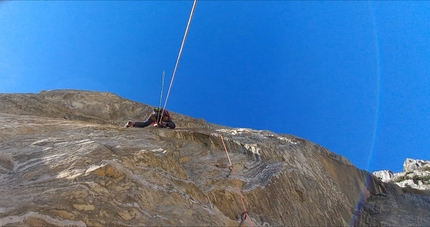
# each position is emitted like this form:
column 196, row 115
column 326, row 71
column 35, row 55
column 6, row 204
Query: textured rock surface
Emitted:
column 65, row 160
column 416, row 175
column 93, row 107
column 384, row 175
column 414, row 164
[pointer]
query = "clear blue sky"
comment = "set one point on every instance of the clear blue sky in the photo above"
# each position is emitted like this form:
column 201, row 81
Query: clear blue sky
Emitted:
column 352, row 76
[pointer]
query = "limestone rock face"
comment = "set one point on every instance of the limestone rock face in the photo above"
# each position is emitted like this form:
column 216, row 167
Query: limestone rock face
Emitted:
column 413, row 200
column 384, row 175
column 92, row 107
column 66, row 160
column 416, row 175
column 414, row 164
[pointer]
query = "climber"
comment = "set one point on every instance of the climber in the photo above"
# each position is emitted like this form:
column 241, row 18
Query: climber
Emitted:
column 156, row 119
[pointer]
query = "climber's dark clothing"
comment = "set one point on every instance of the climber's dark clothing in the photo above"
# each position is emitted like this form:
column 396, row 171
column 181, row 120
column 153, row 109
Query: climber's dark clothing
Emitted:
column 169, row 123
column 161, row 120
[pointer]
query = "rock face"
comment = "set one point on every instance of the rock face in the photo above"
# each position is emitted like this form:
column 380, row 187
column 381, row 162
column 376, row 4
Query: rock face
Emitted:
column 91, row 107
column 414, row 202
column 414, row 164
column 416, row 175
column 66, row 160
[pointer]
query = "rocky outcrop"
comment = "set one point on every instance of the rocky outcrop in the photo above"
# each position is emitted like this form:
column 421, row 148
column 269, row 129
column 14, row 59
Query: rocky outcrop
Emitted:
column 410, row 204
column 66, row 160
column 414, row 164
column 416, row 175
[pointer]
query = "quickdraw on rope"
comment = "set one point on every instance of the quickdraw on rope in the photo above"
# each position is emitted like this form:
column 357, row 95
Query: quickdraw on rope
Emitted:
column 231, row 170
column 244, row 215
column 180, row 53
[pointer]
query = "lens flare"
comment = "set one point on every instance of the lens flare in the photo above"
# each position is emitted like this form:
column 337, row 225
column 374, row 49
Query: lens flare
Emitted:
column 375, row 131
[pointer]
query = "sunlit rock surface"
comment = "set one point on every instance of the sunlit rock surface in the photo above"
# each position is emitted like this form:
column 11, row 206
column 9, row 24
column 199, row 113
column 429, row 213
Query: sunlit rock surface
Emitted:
column 66, row 160
column 416, row 175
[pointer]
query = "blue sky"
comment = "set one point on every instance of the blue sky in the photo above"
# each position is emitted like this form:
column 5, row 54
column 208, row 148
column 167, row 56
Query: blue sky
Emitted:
column 352, row 76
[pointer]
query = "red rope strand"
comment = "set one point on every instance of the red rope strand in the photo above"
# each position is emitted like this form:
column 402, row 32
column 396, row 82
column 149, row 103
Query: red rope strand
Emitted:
column 237, row 183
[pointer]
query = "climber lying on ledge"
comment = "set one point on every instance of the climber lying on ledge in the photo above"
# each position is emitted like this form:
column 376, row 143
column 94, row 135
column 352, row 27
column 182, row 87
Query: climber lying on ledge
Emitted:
column 156, row 119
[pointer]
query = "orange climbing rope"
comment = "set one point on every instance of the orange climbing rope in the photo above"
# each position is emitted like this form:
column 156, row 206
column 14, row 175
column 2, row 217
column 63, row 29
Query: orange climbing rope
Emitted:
column 244, row 215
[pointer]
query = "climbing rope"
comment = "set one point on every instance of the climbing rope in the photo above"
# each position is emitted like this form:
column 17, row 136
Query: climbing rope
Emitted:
column 244, row 216
column 180, row 53
column 161, row 93
column 162, row 87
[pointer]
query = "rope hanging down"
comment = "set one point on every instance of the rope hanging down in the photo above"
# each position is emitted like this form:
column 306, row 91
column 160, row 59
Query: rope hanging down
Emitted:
column 162, row 87
column 161, row 93
column 244, row 216
column 180, row 53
